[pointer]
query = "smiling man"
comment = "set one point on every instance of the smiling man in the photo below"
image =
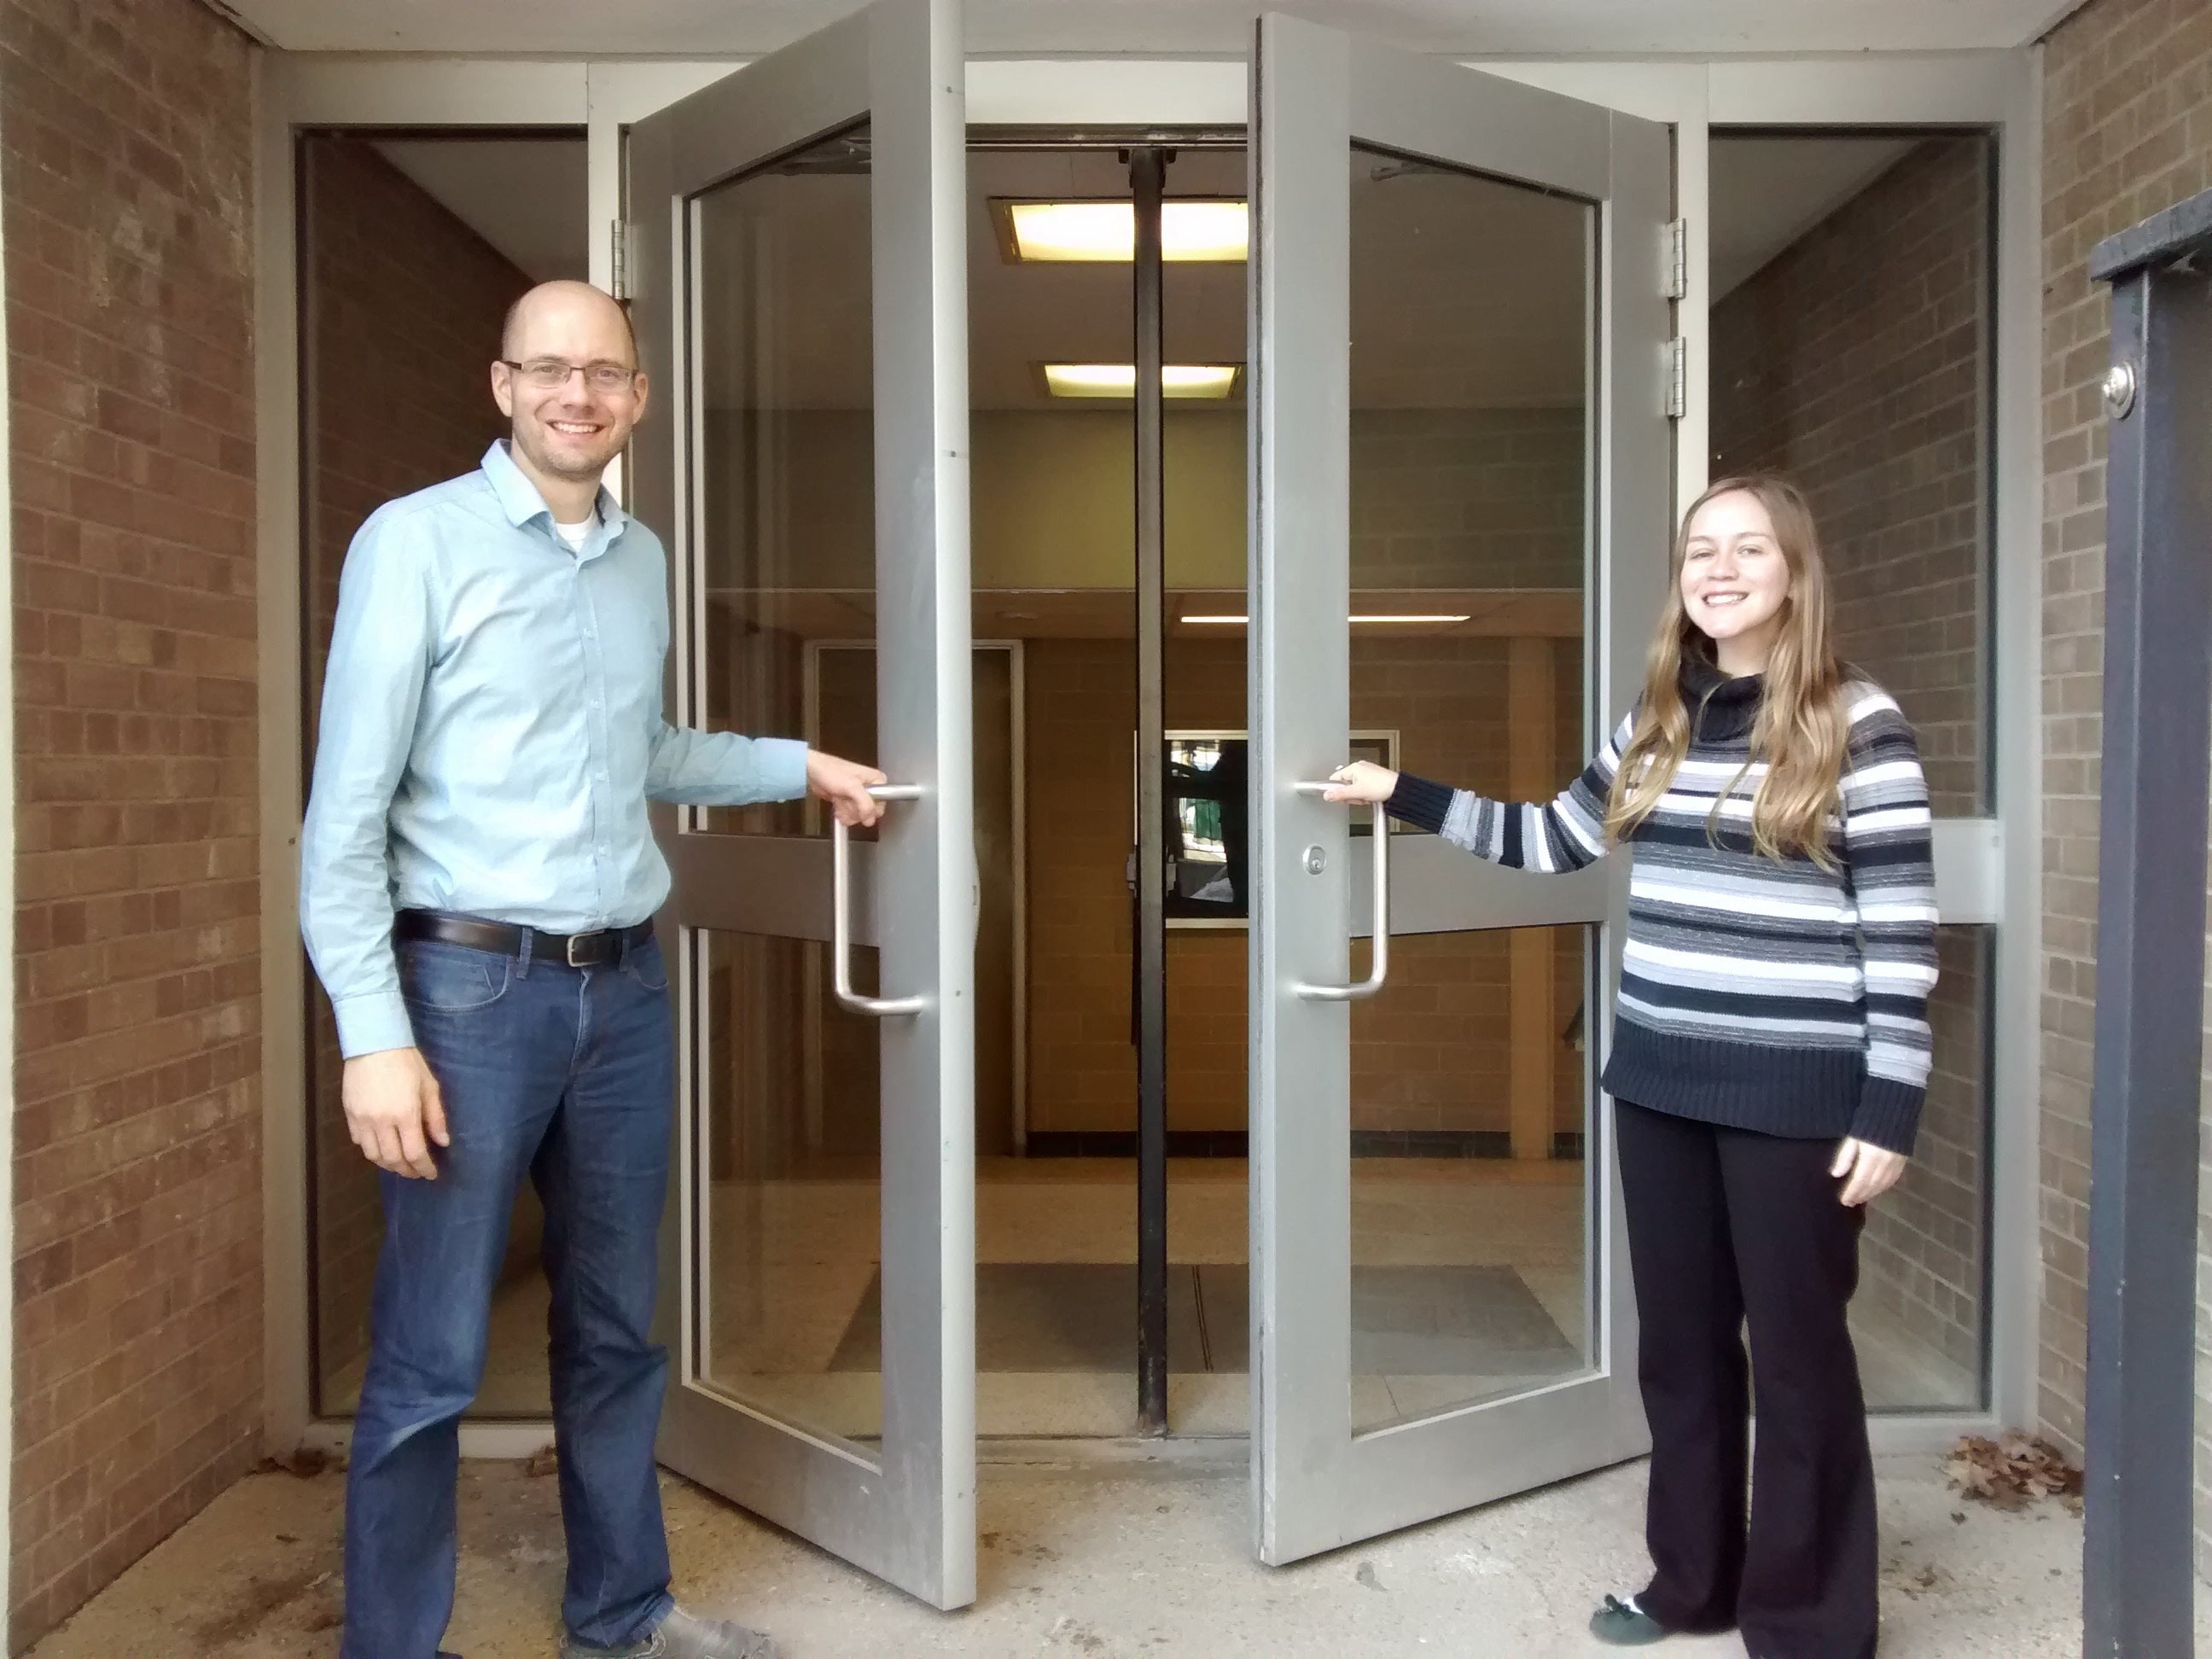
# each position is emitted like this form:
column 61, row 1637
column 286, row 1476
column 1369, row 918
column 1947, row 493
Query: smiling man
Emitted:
column 478, row 882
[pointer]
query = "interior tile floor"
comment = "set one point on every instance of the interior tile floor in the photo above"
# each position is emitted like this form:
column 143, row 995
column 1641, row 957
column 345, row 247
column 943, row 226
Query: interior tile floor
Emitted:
column 793, row 1279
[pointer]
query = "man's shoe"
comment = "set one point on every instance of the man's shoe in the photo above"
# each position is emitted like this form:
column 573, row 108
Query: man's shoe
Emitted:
column 681, row 1636
column 1624, row 1625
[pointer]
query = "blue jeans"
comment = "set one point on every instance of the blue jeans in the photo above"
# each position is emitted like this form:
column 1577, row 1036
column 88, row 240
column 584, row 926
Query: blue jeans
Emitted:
column 568, row 1073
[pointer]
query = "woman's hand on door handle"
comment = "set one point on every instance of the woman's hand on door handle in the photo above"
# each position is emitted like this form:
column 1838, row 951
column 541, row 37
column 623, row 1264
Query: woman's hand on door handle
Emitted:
column 1361, row 780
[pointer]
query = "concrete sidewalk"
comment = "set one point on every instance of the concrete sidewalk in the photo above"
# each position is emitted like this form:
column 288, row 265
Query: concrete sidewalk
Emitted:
column 1113, row 1559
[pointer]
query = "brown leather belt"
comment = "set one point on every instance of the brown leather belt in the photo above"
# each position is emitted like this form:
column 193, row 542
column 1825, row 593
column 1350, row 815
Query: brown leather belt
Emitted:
column 576, row 950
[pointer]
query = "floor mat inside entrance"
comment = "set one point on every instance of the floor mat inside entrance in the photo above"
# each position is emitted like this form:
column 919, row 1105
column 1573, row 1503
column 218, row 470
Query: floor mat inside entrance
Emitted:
column 1082, row 1316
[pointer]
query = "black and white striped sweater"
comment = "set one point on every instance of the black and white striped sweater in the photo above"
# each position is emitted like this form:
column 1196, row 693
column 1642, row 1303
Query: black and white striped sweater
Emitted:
column 1759, row 993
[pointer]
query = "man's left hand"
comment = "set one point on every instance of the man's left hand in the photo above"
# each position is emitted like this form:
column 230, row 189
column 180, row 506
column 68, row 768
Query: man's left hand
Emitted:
column 843, row 785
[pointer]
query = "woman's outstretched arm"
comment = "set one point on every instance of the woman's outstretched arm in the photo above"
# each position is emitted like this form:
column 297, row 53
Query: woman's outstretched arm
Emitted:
column 1565, row 832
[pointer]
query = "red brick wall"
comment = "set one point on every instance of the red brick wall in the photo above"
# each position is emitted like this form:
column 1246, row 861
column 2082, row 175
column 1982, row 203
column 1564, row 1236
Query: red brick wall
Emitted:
column 2127, row 101
column 401, row 310
column 125, row 162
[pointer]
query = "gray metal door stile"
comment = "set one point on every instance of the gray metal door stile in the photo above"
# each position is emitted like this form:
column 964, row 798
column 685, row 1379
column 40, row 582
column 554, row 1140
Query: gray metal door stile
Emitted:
column 902, row 1507
column 1317, row 1482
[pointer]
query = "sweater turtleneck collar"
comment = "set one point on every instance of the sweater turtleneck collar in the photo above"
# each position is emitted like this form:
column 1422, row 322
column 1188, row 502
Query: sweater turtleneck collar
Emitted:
column 1723, row 708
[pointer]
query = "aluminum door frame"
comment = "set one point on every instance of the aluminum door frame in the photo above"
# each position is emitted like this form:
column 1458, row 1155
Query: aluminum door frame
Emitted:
column 1316, row 1485
column 906, row 1514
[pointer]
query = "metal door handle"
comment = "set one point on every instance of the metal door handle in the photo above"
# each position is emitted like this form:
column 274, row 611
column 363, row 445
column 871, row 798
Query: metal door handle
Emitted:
column 840, row 917
column 1378, row 966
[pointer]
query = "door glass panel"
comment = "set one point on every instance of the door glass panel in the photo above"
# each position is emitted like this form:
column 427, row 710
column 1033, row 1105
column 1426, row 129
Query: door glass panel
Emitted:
column 423, row 212
column 1852, row 354
column 1919, row 1319
column 789, row 1092
column 1879, row 410
column 1020, row 1315
column 783, row 469
column 1471, row 359
column 790, row 1173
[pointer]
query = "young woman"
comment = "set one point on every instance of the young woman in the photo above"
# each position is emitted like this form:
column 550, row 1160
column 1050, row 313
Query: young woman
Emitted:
column 1770, row 1055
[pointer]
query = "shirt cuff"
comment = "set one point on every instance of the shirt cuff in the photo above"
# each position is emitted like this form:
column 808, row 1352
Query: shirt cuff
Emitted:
column 1420, row 803
column 1888, row 1114
column 780, row 766
column 371, row 1022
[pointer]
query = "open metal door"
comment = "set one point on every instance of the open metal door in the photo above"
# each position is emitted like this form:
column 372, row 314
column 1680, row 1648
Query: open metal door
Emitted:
column 799, row 285
column 1461, row 494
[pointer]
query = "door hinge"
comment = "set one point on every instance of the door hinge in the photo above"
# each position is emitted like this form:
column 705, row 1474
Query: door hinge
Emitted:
column 1678, row 378
column 620, row 240
column 1677, row 259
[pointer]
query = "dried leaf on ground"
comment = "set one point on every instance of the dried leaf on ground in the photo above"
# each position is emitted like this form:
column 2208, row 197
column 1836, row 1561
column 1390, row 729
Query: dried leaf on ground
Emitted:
column 303, row 1462
column 2012, row 1472
column 542, row 1463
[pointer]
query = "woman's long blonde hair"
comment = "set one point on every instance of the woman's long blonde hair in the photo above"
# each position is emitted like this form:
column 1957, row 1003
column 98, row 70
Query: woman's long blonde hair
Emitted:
column 1802, row 725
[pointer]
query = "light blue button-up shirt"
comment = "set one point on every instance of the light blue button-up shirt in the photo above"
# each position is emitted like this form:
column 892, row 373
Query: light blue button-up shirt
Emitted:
column 491, row 732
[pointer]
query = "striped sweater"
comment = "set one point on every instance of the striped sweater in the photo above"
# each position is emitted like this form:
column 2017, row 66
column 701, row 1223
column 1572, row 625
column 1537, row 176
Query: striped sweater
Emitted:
column 1759, row 993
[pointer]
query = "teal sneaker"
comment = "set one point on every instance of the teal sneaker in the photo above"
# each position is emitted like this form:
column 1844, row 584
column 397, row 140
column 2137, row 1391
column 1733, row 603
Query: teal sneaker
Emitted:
column 1624, row 1625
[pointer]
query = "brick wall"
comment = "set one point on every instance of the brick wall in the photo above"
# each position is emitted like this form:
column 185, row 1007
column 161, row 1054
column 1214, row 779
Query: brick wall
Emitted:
column 1854, row 361
column 2127, row 131
column 400, row 312
column 126, row 168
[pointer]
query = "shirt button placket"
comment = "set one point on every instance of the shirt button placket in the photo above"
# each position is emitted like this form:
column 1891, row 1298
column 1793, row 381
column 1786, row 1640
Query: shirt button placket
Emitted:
column 595, row 724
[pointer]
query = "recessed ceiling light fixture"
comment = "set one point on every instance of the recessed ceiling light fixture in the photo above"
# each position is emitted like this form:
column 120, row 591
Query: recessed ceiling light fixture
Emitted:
column 1120, row 379
column 1411, row 618
column 1105, row 233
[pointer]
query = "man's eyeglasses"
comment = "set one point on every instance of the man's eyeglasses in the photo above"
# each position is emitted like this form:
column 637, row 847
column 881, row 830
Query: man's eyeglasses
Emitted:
column 550, row 374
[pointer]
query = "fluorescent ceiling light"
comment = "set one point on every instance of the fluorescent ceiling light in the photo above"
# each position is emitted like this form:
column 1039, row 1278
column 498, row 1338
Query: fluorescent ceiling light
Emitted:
column 1438, row 619
column 1106, row 231
column 1120, row 379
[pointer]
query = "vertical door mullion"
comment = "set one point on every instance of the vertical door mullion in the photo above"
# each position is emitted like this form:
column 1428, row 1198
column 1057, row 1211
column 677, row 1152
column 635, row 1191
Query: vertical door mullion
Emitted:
column 1147, row 169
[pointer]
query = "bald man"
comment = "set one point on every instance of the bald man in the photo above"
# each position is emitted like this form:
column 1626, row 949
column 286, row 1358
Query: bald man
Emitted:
column 477, row 886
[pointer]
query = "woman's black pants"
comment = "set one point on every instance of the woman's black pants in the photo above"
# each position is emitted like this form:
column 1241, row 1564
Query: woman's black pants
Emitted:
column 1726, row 1227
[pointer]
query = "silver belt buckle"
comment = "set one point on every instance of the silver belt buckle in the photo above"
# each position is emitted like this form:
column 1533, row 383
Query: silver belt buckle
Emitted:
column 574, row 940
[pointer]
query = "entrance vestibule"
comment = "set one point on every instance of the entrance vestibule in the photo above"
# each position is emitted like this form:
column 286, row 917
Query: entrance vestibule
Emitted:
column 1473, row 576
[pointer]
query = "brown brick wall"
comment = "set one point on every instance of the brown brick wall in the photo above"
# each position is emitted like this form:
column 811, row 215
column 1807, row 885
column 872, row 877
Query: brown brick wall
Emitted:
column 1854, row 361
column 400, row 313
column 126, row 168
column 2126, row 103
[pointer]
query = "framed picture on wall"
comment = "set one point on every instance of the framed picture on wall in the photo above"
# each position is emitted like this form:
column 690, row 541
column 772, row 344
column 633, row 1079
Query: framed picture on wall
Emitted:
column 1204, row 794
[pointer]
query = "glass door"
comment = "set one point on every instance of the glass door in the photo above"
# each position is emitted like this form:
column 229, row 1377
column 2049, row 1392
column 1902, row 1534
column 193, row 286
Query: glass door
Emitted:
column 1461, row 506
column 800, row 300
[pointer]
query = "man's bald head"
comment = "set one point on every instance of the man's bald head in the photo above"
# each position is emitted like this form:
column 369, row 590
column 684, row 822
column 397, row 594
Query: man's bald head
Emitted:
column 567, row 376
column 549, row 319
